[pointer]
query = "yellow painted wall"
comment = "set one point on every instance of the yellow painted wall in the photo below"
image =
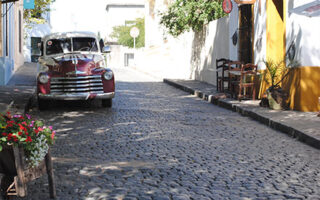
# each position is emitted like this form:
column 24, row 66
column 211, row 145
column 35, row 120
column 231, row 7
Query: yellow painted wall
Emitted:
column 276, row 36
column 303, row 86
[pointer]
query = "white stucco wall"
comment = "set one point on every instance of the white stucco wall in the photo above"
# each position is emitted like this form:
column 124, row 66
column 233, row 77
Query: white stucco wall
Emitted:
column 18, row 55
column 37, row 30
column 304, row 33
column 233, row 29
column 260, row 34
column 188, row 56
column 216, row 46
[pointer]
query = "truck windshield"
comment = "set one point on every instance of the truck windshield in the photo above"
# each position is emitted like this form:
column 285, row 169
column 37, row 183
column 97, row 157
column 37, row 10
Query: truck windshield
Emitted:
column 84, row 44
column 63, row 45
column 56, row 46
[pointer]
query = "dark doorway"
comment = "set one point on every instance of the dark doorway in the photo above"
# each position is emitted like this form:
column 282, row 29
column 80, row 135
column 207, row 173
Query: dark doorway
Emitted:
column 245, row 51
column 35, row 50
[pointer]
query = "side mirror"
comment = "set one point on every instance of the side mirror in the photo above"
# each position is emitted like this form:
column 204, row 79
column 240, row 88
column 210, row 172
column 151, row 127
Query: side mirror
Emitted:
column 106, row 49
column 101, row 43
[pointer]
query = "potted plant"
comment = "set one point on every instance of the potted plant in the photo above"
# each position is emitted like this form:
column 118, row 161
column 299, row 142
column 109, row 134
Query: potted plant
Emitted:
column 274, row 74
column 24, row 150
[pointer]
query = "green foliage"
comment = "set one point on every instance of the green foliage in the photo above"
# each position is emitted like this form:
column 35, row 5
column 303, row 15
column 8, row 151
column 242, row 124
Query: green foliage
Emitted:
column 274, row 71
column 184, row 15
column 34, row 16
column 122, row 34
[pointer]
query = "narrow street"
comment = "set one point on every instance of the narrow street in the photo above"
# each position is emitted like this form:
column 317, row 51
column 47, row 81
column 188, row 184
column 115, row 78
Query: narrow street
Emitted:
column 157, row 142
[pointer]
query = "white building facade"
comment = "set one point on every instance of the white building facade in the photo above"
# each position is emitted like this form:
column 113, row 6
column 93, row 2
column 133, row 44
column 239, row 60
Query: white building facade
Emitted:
column 11, row 54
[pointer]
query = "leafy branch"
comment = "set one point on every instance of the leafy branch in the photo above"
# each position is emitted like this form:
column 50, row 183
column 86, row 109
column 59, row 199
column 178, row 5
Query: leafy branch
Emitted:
column 186, row 15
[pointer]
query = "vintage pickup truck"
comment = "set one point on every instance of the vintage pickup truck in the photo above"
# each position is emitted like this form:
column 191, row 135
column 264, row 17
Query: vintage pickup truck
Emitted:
column 72, row 67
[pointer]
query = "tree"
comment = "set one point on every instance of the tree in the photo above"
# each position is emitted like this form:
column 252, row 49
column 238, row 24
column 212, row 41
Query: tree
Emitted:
column 184, row 15
column 122, row 33
column 35, row 16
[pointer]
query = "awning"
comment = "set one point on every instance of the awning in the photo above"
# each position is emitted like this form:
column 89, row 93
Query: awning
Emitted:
column 310, row 9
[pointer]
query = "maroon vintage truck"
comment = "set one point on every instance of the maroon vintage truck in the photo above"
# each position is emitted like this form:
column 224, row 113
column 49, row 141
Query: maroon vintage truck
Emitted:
column 72, row 67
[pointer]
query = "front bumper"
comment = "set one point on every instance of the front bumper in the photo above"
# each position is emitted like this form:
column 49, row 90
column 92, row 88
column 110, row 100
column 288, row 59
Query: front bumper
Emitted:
column 77, row 96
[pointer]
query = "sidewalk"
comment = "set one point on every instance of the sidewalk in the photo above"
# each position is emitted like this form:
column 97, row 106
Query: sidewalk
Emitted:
column 17, row 94
column 304, row 126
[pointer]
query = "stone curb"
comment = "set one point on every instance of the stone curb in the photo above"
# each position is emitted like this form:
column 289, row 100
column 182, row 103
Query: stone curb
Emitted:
column 5, row 107
column 225, row 103
column 26, row 107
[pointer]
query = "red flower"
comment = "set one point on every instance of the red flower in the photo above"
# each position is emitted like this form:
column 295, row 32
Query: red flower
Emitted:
column 9, row 114
column 19, row 133
column 9, row 136
column 21, row 127
column 16, row 140
column 53, row 134
column 4, row 134
column 28, row 139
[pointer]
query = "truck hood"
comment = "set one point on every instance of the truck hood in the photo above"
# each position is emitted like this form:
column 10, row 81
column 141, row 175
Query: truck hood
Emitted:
column 74, row 64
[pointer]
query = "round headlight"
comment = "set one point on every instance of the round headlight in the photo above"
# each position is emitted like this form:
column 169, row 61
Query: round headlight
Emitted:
column 43, row 78
column 108, row 75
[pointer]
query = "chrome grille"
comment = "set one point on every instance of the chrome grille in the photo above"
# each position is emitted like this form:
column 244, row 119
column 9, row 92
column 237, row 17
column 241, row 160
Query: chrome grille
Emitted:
column 81, row 84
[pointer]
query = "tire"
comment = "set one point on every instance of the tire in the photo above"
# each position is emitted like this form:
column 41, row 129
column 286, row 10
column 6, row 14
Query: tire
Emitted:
column 43, row 104
column 107, row 103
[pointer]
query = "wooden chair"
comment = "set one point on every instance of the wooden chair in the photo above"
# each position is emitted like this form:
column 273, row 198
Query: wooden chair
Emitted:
column 221, row 65
column 234, row 71
column 248, row 72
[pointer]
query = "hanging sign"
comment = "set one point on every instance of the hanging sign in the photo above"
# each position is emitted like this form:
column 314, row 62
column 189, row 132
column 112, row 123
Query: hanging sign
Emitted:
column 227, row 6
column 245, row 1
column 28, row 4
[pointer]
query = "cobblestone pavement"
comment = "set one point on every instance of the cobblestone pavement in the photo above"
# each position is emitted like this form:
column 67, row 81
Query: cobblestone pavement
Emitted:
column 160, row 143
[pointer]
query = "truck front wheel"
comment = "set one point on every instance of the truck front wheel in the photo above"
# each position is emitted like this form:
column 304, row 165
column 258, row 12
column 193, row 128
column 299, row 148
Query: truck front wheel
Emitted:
column 43, row 104
column 107, row 103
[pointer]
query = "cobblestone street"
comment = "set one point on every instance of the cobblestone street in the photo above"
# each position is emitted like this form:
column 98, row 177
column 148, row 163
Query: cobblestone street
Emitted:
column 159, row 143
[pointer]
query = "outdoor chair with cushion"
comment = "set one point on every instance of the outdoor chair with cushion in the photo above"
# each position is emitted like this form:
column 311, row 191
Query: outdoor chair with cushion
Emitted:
column 234, row 72
column 244, row 86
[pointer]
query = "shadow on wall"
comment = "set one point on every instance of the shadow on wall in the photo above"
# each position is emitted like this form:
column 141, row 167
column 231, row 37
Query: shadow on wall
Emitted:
column 198, row 43
column 211, row 44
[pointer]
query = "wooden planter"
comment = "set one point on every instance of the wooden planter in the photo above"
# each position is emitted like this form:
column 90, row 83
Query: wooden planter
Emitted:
column 17, row 168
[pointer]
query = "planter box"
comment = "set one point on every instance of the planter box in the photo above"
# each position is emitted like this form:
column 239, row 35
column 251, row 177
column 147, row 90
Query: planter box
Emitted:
column 15, row 168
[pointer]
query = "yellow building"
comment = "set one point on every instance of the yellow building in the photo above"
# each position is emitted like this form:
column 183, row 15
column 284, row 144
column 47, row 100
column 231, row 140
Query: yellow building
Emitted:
column 290, row 29
column 278, row 28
